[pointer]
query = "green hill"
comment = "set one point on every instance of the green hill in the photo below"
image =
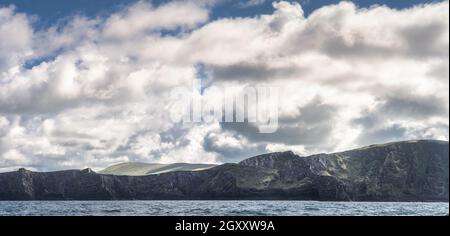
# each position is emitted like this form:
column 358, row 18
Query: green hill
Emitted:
column 141, row 169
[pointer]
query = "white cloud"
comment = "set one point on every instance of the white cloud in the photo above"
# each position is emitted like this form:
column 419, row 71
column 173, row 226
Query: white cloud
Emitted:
column 15, row 38
column 297, row 149
column 142, row 18
column 99, row 90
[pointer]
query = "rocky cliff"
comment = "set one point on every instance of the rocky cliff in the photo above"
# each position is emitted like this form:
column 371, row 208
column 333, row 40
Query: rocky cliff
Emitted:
column 403, row 171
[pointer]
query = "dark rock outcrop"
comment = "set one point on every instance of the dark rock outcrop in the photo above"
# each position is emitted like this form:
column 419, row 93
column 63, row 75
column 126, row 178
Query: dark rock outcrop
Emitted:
column 403, row 171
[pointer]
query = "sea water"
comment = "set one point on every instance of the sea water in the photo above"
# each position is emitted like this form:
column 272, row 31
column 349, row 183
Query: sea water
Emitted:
column 227, row 208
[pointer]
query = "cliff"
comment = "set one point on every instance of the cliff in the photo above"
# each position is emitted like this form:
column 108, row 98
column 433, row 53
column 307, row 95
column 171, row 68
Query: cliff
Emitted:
column 402, row 171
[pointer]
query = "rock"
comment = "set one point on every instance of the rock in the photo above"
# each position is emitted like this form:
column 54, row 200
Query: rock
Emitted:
column 331, row 189
column 403, row 171
column 23, row 170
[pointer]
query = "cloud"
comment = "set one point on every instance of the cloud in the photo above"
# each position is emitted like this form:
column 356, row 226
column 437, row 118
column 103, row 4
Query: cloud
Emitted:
column 15, row 38
column 142, row 18
column 90, row 92
column 309, row 128
column 230, row 147
column 251, row 3
column 414, row 107
column 402, row 116
column 248, row 71
column 374, row 33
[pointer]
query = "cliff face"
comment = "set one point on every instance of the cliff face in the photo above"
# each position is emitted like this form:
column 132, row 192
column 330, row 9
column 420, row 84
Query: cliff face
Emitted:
column 404, row 171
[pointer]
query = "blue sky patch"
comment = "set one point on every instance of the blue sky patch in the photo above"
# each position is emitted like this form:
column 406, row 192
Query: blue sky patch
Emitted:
column 51, row 11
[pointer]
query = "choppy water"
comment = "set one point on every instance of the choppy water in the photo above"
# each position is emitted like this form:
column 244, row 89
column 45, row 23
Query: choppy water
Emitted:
column 229, row 208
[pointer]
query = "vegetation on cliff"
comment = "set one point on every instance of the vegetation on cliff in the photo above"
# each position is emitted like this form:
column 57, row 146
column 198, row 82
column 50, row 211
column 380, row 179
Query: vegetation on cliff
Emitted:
column 401, row 171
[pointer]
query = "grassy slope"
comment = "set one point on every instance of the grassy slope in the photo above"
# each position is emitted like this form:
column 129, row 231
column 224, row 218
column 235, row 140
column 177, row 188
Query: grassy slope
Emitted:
column 140, row 169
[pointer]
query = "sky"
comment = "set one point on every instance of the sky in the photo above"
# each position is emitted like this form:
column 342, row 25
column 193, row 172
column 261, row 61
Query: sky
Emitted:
column 51, row 11
column 88, row 83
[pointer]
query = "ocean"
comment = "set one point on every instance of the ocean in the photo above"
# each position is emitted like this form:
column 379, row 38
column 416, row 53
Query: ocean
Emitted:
column 226, row 208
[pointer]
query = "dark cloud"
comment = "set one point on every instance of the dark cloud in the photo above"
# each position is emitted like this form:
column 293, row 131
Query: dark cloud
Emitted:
column 420, row 41
column 423, row 40
column 404, row 106
column 312, row 127
column 382, row 135
column 397, row 132
column 313, row 113
column 420, row 107
column 400, row 109
column 286, row 134
column 254, row 71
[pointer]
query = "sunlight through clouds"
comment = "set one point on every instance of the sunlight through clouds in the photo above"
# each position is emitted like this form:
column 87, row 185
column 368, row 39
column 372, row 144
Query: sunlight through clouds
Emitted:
column 94, row 91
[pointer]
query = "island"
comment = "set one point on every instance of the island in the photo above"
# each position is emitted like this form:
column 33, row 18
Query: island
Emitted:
column 400, row 171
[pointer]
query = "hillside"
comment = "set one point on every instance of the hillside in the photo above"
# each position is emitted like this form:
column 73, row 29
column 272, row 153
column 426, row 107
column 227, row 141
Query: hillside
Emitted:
column 140, row 169
column 402, row 171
